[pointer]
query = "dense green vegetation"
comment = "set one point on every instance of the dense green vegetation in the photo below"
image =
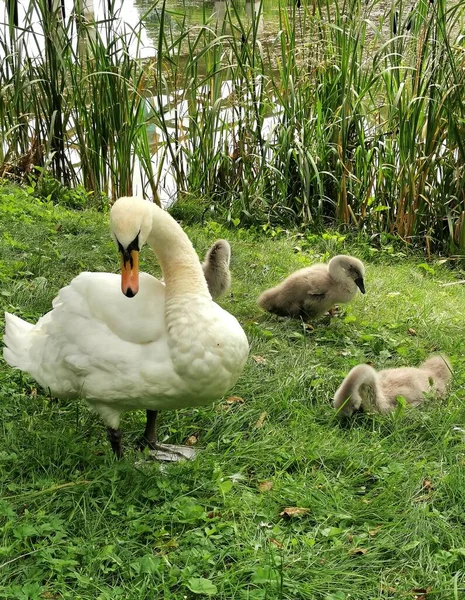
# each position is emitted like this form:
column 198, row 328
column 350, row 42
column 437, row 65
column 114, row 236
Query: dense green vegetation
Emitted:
column 381, row 498
column 367, row 105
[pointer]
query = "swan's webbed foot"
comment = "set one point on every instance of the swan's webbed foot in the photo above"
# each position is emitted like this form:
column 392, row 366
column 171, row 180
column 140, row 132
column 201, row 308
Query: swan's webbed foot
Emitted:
column 143, row 443
column 164, row 452
column 114, row 437
column 171, row 453
column 334, row 310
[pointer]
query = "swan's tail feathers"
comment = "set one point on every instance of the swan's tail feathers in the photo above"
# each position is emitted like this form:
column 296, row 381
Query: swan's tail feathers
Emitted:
column 440, row 369
column 358, row 387
column 17, row 342
column 219, row 252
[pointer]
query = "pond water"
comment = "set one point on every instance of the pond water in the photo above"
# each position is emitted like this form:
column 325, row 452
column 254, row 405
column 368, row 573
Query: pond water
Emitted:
column 130, row 13
column 178, row 14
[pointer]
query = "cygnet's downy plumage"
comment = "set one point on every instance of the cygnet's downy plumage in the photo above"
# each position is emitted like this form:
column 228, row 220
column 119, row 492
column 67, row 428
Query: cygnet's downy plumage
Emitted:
column 216, row 268
column 311, row 291
column 370, row 390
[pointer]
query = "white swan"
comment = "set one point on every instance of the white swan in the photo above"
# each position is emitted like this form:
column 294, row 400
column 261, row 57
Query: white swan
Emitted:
column 373, row 390
column 311, row 291
column 168, row 347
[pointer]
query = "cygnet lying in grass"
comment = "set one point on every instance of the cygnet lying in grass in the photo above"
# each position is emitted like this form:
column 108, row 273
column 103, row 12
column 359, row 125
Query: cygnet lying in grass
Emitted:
column 377, row 391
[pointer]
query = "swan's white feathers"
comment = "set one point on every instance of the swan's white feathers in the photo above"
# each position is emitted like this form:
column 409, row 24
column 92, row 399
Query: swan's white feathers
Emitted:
column 98, row 296
column 118, row 352
column 17, row 341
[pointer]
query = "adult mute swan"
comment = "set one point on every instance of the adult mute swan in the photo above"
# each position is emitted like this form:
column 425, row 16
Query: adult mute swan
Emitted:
column 377, row 390
column 154, row 346
column 311, row 291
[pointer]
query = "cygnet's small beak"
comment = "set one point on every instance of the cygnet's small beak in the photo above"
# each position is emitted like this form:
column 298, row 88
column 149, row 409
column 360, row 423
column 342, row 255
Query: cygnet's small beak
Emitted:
column 360, row 284
column 130, row 273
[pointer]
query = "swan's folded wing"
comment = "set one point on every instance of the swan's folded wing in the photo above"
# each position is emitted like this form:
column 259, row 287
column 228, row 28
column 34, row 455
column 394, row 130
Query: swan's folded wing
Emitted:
column 318, row 281
column 98, row 297
column 95, row 342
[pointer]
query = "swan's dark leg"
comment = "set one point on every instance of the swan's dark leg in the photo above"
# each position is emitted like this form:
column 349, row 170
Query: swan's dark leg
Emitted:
column 166, row 452
column 114, row 437
column 149, row 438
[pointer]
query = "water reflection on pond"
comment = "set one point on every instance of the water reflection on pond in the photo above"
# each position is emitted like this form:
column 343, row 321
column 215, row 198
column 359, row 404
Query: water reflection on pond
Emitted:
column 191, row 14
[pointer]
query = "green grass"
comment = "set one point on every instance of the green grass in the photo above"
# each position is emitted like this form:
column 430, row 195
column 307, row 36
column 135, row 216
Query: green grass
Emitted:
column 385, row 495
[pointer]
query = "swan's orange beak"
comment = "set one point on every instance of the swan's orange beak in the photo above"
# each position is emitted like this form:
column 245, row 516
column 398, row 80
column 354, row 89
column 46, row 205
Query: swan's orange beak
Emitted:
column 130, row 273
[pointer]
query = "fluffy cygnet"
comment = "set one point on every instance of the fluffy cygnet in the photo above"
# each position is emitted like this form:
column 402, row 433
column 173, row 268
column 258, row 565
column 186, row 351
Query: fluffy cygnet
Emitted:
column 370, row 390
column 311, row 291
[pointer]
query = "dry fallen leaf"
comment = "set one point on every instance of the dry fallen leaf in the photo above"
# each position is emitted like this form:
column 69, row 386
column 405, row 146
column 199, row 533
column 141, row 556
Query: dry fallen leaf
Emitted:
column 261, row 420
column 265, row 486
column 421, row 593
column 427, row 485
column 192, row 440
column 259, row 359
column 235, row 400
column 294, row 511
column 412, row 331
column 276, row 543
column 357, row 551
column 213, row 514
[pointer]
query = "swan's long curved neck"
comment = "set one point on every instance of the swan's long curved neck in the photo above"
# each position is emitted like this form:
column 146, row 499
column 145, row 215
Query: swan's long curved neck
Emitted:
column 179, row 262
column 336, row 268
column 361, row 375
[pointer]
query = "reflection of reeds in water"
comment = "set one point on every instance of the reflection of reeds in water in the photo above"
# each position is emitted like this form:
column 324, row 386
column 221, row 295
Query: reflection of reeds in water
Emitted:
column 347, row 113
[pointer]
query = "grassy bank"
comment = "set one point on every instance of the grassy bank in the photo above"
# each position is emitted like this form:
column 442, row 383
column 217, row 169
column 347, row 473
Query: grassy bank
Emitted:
column 381, row 498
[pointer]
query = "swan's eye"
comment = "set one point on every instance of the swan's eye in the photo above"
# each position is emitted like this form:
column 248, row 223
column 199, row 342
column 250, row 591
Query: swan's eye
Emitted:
column 126, row 252
column 134, row 245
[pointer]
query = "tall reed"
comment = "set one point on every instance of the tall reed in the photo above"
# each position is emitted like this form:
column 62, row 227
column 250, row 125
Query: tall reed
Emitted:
column 77, row 92
column 349, row 113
